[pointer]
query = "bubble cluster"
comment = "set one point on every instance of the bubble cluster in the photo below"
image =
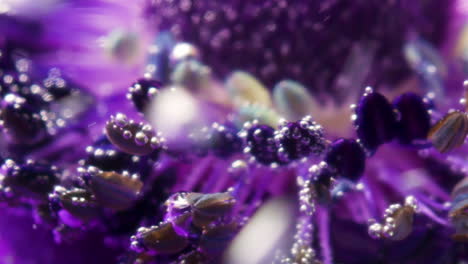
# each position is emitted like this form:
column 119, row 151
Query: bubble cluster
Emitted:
column 299, row 139
column 29, row 182
column 131, row 137
column 398, row 221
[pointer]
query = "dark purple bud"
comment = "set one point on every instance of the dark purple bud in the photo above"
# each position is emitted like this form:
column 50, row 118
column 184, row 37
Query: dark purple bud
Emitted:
column 261, row 143
column 415, row 121
column 114, row 190
column 300, row 139
column 347, row 157
column 450, row 132
column 161, row 239
column 130, row 137
column 224, row 140
column 376, row 121
column 142, row 92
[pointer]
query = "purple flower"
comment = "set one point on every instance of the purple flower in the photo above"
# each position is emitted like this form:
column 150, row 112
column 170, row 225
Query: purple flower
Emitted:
column 220, row 132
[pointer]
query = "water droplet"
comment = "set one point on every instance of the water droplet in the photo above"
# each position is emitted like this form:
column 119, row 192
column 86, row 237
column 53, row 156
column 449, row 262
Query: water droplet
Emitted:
column 120, row 120
column 127, row 134
column 141, row 138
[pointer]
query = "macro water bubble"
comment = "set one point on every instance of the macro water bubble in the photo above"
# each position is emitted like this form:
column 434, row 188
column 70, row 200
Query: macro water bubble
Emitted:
column 141, row 138
column 121, row 120
column 347, row 157
column 127, row 134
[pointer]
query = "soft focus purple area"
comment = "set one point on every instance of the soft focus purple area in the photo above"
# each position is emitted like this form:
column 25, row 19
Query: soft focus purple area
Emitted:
column 22, row 241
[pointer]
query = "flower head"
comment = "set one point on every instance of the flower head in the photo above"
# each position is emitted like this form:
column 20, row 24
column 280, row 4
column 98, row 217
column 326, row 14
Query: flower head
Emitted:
column 176, row 150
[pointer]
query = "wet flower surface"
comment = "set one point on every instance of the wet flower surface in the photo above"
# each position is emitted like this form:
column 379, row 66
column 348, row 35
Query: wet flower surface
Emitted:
column 270, row 131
